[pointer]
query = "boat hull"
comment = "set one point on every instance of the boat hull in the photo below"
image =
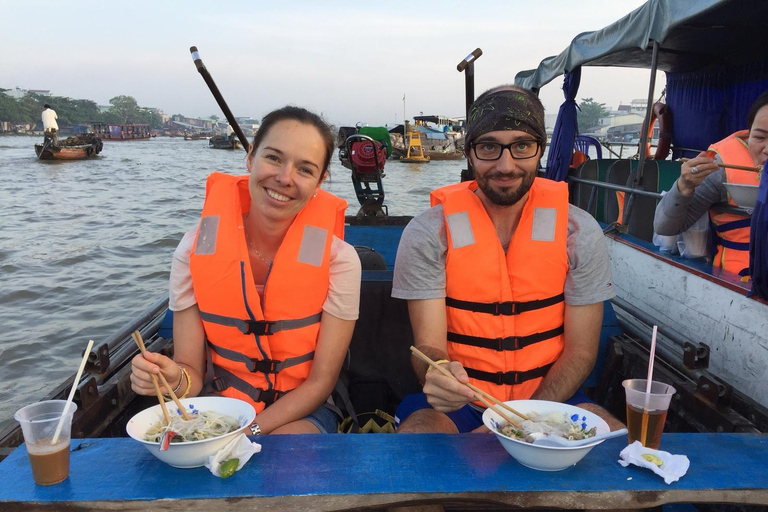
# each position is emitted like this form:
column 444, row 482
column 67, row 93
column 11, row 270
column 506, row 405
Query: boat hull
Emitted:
column 79, row 152
column 703, row 309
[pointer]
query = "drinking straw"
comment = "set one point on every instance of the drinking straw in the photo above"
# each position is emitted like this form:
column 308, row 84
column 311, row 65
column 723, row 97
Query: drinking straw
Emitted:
column 646, row 412
column 650, row 360
column 72, row 392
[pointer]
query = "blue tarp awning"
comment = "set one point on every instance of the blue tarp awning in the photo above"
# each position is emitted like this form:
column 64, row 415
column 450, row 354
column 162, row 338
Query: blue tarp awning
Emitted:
column 731, row 28
column 432, row 134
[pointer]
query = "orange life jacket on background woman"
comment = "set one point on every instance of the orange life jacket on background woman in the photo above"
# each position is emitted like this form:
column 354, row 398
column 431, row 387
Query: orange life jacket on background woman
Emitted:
column 732, row 231
column 505, row 311
column 261, row 347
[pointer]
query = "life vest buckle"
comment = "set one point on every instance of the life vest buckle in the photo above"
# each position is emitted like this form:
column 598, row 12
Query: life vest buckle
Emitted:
column 259, row 328
column 265, row 365
column 507, row 378
column 219, row 385
column 511, row 343
column 505, row 308
column 268, row 396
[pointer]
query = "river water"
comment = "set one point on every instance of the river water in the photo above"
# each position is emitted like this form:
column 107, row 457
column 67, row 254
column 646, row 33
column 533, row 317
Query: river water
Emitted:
column 86, row 245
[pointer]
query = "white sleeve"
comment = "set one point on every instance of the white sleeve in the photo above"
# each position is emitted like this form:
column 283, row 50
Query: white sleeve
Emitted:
column 343, row 300
column 181, row 293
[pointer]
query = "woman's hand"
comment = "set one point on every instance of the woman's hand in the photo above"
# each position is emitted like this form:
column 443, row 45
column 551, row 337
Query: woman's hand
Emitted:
column 446, row 394
column 143, row 366
column 693, row 172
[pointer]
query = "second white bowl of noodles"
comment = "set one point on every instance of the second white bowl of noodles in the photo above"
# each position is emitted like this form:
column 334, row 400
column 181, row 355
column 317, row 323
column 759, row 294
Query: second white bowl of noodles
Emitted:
column 544, row 458
column 191, row 454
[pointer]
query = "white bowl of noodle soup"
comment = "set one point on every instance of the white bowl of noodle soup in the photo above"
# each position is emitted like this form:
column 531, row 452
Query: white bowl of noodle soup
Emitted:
column 539, row 457
column 191, row 454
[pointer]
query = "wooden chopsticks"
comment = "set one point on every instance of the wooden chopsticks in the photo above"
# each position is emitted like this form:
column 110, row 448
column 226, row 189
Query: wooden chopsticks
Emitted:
column 140, row 342
column 489, row 400
column 731, row 166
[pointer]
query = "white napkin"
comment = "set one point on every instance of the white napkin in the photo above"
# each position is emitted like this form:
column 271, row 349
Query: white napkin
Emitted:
column 238, row 448
column 672, row 467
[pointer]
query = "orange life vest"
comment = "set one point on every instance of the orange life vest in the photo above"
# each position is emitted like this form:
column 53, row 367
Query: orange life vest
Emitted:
column 505, row 311
column 261, row 347
column 731, row 230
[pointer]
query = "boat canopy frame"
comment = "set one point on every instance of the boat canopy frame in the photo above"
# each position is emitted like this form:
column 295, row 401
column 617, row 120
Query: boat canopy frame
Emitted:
column 672, row 31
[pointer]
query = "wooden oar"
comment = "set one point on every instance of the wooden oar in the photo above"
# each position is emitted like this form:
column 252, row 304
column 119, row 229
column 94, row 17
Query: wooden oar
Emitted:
column 489, row 400
column 732, row 166
column 140, row 342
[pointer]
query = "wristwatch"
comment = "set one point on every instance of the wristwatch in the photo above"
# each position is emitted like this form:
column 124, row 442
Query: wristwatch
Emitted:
column 255, row 429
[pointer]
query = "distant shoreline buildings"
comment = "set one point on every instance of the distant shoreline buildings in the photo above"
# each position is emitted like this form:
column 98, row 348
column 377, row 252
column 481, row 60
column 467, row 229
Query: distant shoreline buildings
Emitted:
column 175, row 125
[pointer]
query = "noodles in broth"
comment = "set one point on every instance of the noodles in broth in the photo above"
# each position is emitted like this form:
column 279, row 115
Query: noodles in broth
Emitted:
column 203, row 425
column 553, row 423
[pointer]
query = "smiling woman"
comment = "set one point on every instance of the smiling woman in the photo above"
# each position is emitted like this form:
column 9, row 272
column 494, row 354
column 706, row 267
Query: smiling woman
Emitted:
column 276, row 228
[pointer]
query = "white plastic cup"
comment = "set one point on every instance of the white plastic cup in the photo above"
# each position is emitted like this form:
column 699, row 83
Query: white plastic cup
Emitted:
column 50, row 462
column 647, row 412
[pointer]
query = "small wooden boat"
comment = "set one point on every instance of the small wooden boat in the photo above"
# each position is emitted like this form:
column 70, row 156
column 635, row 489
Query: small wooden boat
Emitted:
column 71, row 148
column 224, row 142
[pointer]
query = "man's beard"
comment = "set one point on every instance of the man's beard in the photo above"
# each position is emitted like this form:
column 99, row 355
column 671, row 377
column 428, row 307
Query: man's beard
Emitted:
column 504, row 196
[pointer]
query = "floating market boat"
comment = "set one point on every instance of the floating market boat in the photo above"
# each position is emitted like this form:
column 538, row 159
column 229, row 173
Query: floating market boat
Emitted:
column 122, row 132
column 224, row 142
column 71, row 148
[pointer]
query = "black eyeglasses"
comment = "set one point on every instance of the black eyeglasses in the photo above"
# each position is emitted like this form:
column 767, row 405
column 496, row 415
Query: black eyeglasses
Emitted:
column 520, row 149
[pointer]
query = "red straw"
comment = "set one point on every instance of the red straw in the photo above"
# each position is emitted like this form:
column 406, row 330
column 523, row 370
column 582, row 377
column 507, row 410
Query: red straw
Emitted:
column 650, row 360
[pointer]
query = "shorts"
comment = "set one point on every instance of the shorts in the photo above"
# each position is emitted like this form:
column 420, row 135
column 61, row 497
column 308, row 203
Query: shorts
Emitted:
column 466, row 419
column 324, row 419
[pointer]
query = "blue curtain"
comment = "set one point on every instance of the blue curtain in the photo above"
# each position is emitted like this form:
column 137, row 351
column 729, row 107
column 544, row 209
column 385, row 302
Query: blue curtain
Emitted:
column 758, row 240
column 566, row 128
column 708, row 106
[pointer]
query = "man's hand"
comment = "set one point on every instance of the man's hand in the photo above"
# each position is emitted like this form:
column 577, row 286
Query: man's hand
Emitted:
column 446, row 394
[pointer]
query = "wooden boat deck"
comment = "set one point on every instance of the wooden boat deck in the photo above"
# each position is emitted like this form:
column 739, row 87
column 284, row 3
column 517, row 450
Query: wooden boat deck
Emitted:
column 338, row 472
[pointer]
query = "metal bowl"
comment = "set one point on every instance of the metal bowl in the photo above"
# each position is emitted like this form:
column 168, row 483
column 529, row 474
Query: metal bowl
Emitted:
column 544, row 458
column 191, row 454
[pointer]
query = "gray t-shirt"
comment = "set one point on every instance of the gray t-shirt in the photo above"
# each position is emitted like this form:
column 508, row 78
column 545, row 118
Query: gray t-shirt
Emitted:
column 676, row 213
column 420, row 263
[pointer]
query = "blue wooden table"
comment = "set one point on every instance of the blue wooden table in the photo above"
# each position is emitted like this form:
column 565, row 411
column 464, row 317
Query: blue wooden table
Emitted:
column 334, row 472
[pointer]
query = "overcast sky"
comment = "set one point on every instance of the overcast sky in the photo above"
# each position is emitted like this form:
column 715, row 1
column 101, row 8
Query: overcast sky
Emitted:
column 352, row 61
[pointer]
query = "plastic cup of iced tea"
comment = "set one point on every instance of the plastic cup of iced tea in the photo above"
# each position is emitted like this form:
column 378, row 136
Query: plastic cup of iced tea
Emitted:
column 39, row 421
column 647, row 412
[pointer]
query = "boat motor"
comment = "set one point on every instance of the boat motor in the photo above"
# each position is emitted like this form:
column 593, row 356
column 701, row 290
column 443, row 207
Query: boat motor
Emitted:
column 365, row 156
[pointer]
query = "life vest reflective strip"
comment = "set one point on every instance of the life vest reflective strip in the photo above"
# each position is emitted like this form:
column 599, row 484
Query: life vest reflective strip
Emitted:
column 731, row 230
column 261, row 347
column 505, row 319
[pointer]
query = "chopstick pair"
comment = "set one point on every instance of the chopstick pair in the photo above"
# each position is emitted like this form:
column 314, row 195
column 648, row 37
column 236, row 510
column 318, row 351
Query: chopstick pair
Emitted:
column 140, row 342
column 731, row 166
column 490, row 401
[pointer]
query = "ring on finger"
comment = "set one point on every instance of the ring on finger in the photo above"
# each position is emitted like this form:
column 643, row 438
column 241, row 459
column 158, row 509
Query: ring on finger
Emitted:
column 694, row 170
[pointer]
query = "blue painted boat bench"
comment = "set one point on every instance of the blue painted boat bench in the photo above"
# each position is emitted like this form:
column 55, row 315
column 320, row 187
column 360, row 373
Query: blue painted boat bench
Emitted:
column 338, row 472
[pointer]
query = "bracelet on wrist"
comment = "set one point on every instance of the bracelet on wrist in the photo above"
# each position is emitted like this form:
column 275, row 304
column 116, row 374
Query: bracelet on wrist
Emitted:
column 441, row 361
column 184, row 375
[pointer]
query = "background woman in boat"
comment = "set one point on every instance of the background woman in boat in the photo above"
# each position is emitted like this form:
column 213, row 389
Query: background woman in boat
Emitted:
column 269, row 246
column 702, row 184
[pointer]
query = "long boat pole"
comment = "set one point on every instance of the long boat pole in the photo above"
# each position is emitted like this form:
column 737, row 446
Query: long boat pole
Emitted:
column 636, row 178
column 219, row 98
column 468, row 67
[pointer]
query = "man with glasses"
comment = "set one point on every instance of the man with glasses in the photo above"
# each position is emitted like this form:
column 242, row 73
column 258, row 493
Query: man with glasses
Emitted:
column 505, row 280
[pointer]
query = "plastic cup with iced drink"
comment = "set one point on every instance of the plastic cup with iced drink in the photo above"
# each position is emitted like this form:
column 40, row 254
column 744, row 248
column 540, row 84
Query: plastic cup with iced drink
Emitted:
column 39, row 421
column 647, row 412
